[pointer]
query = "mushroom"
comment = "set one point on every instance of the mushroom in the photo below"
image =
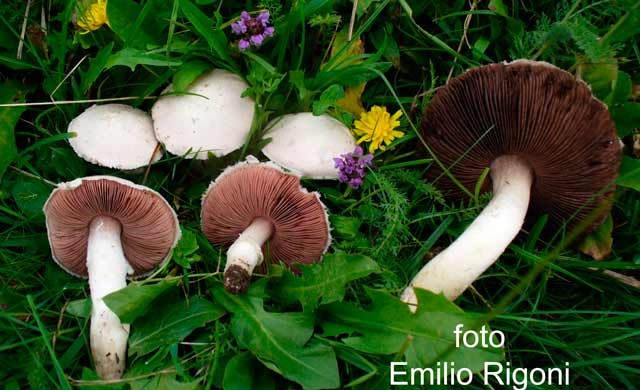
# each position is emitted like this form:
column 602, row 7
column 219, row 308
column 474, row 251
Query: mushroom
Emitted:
column 307, row 144
column 213, row 117
column 106, row 228
column 114, row 136
column 544, row 137
column 255, row 206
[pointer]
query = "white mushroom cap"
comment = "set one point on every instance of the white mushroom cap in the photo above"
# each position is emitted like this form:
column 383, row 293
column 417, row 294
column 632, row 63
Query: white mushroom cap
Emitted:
column 212, row 118
column 307, row 144
column 114, row 136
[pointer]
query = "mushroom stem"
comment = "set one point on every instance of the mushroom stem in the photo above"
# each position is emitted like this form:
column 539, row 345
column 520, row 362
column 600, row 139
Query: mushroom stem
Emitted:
column 107, row 268
column 245, row 254
column 455, row 268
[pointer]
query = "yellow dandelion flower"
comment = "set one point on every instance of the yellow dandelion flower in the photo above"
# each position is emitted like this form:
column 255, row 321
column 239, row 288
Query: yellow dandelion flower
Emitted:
column 93, row 17
column 377, row 127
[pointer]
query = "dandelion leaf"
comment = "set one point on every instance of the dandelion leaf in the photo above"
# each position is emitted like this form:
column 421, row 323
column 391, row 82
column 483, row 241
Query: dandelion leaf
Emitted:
column 425, row 337
column 281, row 341
column 324, row 282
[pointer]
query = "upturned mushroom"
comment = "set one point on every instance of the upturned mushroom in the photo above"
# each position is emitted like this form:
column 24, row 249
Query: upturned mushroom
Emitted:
column 254, row 206
column 106, row 228
column 552, row 148
column 307, row 144
column 114, row 136
column 212, row 117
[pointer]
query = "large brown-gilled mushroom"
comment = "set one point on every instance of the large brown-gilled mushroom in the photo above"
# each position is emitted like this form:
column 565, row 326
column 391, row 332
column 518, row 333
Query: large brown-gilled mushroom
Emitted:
column 114, row 136
column 252, row 205
column 213, row 117
column 307, row 144
column 106, row 228
column 544, row 137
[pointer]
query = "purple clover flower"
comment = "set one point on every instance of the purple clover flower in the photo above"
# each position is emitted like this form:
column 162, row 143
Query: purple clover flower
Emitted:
column 252, row 31
column 352, row 167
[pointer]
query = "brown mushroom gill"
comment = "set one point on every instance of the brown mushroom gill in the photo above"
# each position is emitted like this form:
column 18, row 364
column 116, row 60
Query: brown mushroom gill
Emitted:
column 536, row 127
column 254, row 204
column 148, row 229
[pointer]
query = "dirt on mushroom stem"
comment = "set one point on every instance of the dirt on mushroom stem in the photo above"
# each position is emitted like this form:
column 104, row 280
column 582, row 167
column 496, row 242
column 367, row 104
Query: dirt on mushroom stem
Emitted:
column 236, row 280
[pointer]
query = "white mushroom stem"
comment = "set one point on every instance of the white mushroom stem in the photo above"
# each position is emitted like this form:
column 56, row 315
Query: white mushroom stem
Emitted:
column 108, row 270
column 246, row 251
column 455, row 268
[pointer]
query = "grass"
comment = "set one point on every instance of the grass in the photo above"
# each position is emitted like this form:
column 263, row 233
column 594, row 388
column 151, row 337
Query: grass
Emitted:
column 551, row 301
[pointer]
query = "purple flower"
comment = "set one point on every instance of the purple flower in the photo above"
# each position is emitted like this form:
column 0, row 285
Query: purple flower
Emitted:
column 352, row 167
column 244, row 44
column 238, row 28
column 252, row 31
column 257, row 39
column 263, row 18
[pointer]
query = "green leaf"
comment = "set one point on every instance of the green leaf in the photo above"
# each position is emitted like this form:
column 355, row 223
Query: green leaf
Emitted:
column 621, row 89
column 385, row 329
column 216, row 39
column 133, row 57
column 7, row 41
column 600, row 76
column 627, row 117
column 67, row 164
column 263, row 78
column 480, row 47
column 11, row 62
column 30, row 195
column 170, row 323
column 96, row 66
column 345, row 51
column 9, row 93
column 627, row 26
column 345, row 227
column 236, row 378
column 73, row 353
column 498, row 7
column 135, row 300
column 296, row 77
column 325, row 281
column 90, row 375
column 629, row 175
column 384, row 41
column 328, row 99
column 478, row 187
column 163, row 382
column 134, row 23
column 406, row 7
column 350, row 75
column 280, row 340
column 586, row 38
column 188, row 73
column 535, row 231
column 80, row 308
column 184, row 253
column 262, row 63
column 598, row 243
